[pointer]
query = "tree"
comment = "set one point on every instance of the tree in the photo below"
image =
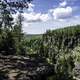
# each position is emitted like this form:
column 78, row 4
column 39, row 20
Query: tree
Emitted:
column 17, row 4
column 10, row 35
column 18, row 27
column 6, row 17
column 58, row 45
column 6, row 28
column 18, row 35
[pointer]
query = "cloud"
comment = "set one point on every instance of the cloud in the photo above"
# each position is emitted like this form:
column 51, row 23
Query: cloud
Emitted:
column 36, row 17
column 31, row 7
column 62, row 12
column 63, row 4
column 31, row 17
column 41, row 27
column 45, row 17
column 61, row 16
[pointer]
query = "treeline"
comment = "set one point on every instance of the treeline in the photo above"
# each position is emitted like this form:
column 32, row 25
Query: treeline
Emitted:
column 65, row 39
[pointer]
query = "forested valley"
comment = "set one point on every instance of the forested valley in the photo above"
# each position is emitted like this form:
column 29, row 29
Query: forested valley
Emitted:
column 54, row 55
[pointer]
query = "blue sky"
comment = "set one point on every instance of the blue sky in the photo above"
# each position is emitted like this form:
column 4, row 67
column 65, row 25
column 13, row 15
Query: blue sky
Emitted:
column 44, row 5
column 50, row 14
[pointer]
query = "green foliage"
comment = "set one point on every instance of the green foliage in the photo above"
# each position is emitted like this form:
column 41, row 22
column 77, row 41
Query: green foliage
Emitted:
column 6, row 18
column 6, row 36
column 7, row 44
column 11, row 36
column 56, row 46
column 76, row 53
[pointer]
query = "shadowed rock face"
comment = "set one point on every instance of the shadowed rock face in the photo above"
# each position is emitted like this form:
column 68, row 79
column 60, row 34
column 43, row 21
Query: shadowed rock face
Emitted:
column 23, row 68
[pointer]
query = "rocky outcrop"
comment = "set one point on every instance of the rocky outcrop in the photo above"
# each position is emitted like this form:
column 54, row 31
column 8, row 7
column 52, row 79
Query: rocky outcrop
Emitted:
column 77, row 70
column 23, row 68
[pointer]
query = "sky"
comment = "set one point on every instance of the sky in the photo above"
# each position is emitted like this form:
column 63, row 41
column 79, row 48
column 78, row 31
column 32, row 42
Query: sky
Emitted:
column 43, row 15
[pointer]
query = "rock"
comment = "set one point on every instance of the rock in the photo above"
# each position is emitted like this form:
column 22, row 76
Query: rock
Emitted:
column 77, row 70
column 23, row 68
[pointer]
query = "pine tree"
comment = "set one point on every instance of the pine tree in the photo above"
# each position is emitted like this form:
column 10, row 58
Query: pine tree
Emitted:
column 18, row 35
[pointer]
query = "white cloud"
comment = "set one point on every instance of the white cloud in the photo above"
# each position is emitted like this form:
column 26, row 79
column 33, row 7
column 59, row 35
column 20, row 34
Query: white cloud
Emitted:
column 37, row 23
column 63, row 4
column 36, row 17
column 41, row 27
column 15, row 16
column 31, row 7
column 57, row 13
column 45, row 17
column 61, row 13
column 31, row 17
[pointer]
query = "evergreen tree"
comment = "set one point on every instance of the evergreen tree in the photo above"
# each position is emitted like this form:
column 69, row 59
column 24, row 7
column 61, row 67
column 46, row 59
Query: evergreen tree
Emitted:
column 18, row 35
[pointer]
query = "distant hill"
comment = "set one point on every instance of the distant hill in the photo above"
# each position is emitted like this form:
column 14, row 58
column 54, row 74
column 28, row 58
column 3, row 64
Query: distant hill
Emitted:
column 33, row 36
column 67, row 30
